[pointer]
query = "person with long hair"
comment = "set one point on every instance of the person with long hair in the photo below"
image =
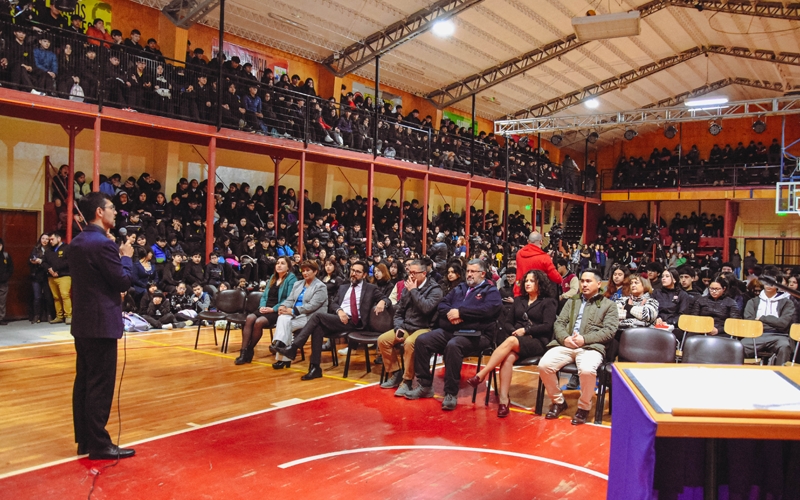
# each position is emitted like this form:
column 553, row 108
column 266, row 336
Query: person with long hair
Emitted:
column 453, row 277
column 332, row 277
column 672, row 302
column 620, row 284
column 278, row 288
column 382, row 279
column 531, row 325
column 717, row 305
column 41, row 290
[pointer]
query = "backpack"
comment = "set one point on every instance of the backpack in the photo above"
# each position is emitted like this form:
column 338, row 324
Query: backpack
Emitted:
column 134, row 323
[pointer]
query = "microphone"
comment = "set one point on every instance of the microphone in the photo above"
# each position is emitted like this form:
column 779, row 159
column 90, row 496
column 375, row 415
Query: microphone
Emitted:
column 122, row 232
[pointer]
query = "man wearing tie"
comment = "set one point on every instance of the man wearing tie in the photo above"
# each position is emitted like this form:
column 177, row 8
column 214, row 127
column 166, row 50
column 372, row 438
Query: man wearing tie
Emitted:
column 101, row 271
column 351, row 311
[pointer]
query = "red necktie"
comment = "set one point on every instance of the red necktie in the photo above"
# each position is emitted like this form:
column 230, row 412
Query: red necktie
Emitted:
column 353, row 306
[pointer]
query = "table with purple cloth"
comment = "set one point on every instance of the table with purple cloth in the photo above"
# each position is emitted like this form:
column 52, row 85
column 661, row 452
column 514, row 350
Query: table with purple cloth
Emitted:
column 655, row 455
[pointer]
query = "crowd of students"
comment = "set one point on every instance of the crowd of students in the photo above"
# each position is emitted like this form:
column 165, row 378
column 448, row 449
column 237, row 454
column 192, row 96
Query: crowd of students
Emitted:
column 47, row 55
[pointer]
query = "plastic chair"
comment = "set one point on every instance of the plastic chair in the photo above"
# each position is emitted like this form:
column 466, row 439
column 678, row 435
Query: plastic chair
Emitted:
column 249, row 305
column 693, row 324
column 745, row 329
column 227, row 301
column 636, row 345
column 713, row 350
column 794, row 334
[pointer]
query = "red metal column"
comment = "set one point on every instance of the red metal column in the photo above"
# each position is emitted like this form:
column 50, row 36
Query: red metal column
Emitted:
column 561, row 212
column 402, row 198
column 70, row 208
column 484, row 209
column 533, row 211
column 585, row 214
column 210, row 200
column 541, row 221
column 370, row 195
column 726, row 243
column 96, row 158
column 277, row 162
column 425, row 196
column 301, row 237
column 467, row 216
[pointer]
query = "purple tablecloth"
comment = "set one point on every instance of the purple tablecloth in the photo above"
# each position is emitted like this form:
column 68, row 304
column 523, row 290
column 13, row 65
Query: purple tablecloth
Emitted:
column 649, row 468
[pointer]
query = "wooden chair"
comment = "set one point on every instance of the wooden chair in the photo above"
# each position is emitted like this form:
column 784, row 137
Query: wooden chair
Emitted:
column 745, row 329
column 694, row 324
column 794, row 334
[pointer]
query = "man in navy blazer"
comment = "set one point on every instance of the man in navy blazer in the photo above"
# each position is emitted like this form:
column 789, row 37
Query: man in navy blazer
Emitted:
column 101, row 271
column 472, row 305
column 343, row 319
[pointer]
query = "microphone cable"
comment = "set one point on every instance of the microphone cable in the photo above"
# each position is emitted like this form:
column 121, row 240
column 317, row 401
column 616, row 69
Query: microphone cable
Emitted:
column 119, row 415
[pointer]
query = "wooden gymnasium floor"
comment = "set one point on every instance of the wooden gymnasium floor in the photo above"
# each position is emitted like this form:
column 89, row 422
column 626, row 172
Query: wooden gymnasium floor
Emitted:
column 208, row 428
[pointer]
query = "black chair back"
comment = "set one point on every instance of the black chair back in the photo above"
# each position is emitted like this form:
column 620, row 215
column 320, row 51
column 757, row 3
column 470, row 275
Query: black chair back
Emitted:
column 647, row 345
column 712, row 350
column 231, row 301
column 253, row 302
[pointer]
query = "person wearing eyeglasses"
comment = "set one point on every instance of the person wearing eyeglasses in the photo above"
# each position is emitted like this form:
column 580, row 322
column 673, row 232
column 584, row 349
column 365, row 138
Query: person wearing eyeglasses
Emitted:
column 413, row 317
column 472, row 307
column 718, row 305
column 352, row 310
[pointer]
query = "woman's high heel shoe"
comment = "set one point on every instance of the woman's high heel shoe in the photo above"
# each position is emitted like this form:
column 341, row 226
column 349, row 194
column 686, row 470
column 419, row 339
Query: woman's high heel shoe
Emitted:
column 503, row 409
column 242, row 359
column 248, row 355
column 474, row 381
column 280, row 365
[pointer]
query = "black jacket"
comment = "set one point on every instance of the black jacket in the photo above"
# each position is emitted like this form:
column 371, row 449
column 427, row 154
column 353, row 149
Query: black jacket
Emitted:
column 537, row 319
column 720, row 309
column 6, row 266
column 671, row 304
column 56, row 259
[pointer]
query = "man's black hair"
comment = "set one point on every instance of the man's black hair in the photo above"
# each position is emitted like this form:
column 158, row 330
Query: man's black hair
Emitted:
column 91, row 202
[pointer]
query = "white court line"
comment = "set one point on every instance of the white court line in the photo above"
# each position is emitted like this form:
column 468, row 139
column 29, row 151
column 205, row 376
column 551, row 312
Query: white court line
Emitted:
column 183, row 431
column 70, row 341
column 445, row 448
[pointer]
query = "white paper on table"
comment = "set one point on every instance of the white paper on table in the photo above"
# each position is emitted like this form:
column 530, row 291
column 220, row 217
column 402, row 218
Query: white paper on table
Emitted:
column 693, row 387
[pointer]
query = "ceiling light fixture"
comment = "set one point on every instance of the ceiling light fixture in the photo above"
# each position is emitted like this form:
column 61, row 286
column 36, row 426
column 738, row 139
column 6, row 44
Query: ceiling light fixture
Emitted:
column 714, row 128
column 708, row 101
column 592, row 103
column 444, row 28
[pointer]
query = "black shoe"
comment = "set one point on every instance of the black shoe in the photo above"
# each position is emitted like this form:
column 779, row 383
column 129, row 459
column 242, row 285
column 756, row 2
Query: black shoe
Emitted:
column 574, row 383
column 273, row 347
column 111, row 452
column 290, row 351
column 242, row 359
column 580, row 417
column 248, row 355
column 82, row 449
column 280, row 365
column 556, row 410
column 314, row 371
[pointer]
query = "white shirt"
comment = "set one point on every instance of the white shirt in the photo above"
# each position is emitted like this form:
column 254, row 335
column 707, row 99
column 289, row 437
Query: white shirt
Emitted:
column 346, row 302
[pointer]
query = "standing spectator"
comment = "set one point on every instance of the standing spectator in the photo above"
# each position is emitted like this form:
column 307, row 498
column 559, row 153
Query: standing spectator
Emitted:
column 59, row 278
column 531, row 257
column 590, row 177
column 41, row 292
column 750, row 263
column 736, row 263
column 6, row 270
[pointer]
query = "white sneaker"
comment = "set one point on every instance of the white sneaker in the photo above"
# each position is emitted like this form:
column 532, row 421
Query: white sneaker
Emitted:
column 342, row 351
column 287, row 135
column 168, row 326
column 188, row 323
column 36, row 92
column 328, row 138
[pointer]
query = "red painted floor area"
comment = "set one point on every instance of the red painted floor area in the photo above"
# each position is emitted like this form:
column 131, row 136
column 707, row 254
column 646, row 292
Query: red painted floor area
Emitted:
column 241, row 458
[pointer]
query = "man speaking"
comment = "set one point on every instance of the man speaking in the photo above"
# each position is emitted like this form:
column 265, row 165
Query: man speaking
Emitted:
column 101, row 271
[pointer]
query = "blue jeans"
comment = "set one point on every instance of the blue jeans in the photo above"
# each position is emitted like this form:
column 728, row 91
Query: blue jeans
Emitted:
column 41, row 297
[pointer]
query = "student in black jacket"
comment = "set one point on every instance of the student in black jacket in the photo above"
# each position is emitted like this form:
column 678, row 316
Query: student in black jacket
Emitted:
column 6, row 270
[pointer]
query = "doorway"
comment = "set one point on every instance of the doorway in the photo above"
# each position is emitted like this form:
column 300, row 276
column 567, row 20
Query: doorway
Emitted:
column 20, row 232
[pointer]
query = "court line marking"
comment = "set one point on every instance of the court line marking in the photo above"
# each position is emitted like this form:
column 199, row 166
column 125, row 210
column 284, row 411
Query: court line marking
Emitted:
column 183, row 431
column 444, row 448
column 70, row 340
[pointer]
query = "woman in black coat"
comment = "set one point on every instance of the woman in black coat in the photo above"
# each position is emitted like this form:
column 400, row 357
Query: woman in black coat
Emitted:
column 672, row 302
column 718, row 305
column 531, row 327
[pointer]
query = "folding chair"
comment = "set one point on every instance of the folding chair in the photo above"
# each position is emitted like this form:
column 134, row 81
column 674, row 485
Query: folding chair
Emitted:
column 746, row 329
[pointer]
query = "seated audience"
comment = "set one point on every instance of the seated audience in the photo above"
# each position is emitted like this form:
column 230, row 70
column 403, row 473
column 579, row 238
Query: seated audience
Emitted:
column 776, row 311
column 638, row 309
column 717, row 304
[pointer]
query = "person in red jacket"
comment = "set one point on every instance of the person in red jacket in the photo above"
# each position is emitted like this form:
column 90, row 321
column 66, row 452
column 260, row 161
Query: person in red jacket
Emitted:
column 531, row 257
column 97, row 31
